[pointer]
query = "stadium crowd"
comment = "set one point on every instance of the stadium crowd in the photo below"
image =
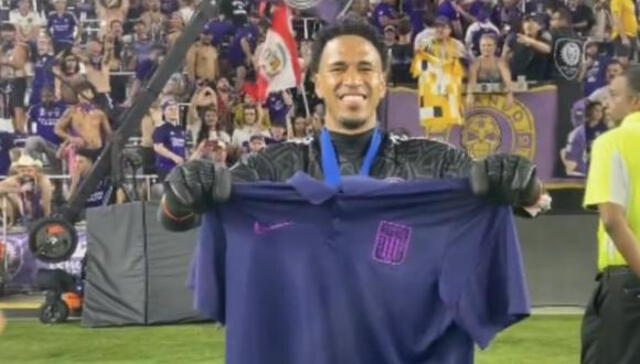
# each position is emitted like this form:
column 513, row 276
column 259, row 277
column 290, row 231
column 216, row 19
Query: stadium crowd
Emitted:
column 69, row 69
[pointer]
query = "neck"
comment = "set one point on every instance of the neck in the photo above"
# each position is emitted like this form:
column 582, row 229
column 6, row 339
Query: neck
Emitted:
column 337, row 128
column 351, row 145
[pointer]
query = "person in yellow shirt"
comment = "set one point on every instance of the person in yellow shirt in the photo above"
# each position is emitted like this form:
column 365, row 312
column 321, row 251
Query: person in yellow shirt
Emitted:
column 611, row 325
column 625, row 27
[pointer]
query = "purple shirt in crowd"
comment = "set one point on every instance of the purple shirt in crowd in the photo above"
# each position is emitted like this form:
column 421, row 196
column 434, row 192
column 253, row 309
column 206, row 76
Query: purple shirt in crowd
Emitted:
column 249, row 32
column 62, row 27
column 173, row 138
column 383, row 9
column 380, row 272
column 220, row 30
column 579, row 145
column 277, row 109
column 44, row 118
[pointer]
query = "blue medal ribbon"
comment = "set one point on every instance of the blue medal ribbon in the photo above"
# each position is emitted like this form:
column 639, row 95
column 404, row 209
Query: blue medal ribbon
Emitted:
column 330, row 164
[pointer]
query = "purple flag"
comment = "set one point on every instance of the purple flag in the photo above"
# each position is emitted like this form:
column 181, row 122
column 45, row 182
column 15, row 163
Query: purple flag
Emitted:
column 526, row 128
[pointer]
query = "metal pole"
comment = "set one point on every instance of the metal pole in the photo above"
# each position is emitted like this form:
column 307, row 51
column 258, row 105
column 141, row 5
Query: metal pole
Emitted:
column 304, row 99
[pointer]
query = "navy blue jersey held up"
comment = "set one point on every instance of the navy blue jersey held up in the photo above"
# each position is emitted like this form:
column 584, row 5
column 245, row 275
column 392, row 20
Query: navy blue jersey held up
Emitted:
column 381, row 272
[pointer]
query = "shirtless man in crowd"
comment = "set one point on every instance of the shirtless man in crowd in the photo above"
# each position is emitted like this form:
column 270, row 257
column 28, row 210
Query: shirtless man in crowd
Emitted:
column 13, row 58
column 68, row 78
column 202, row 60
column 84, row 127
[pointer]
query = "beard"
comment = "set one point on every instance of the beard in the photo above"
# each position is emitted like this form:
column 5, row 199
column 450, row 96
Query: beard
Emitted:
column 352, row 124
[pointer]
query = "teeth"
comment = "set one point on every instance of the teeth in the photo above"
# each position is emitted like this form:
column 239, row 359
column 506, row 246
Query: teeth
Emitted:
column 352, row 97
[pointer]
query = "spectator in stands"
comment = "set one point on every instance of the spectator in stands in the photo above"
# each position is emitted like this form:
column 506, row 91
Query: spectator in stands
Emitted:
column 601, row 95
column 528, row 52
column 581, row 16
column 279, row 104
column 149, row 123
column 201, row 63
column 507, row 16
column 109, row 10
column 625, row 26
column 63, row 27
column 278, row 134
column 299, row 129
column 603, row 22
column 221, row 30
column 140, row 44
column 596, row 66
column 203, row 98
column 42, row 139
column 247, row 125
column 43, row 61
column 169, row 7
column 169, row 140
column 488, row 68
column 96, row 60
column 187, row 9
column 154, row 20
column 225, row 101
column 575, row 156
column 176, row 26
column 68, row 77
column 402, row 54
column 449, row 10
column 144, row 70
column 85, row 129
column 244, row 43
column 28, row 192
column 477, row 29
column 26, row 21
column 389, row 35
column 384, row 13
column 213, row 150
column 257, row 144
column 118, row 83
column 14, row 56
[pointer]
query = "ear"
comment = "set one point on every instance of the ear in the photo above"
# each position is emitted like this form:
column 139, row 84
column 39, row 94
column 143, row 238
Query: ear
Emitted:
column 316, row 82
column 383, row 84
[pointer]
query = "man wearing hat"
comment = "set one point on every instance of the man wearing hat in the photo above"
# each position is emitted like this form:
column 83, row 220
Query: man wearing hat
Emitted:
column 28, row 191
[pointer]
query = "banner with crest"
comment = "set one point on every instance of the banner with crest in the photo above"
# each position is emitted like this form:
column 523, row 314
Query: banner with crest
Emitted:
column 526, row 127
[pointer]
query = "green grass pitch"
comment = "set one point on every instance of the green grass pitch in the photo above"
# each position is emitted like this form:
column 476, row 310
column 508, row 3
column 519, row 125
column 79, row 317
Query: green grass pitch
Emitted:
column 538, row 340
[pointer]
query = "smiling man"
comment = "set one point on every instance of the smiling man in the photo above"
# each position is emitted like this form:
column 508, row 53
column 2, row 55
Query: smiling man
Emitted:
column 348, row 66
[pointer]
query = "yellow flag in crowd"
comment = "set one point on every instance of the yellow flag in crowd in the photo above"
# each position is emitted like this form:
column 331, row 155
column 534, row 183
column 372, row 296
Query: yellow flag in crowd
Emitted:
column 440, row 72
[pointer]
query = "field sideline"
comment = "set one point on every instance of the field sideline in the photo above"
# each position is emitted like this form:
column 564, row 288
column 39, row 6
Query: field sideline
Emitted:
column 538, row 340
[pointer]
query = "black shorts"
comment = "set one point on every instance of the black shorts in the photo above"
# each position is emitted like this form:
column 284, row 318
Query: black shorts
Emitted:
column 611, row 325
column 18, row 90
column 90, row 153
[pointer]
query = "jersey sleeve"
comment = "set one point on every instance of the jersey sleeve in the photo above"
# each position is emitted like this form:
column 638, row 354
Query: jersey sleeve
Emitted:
column 207, row 279
column 482, row 278
column 608, row 175
column 158, row 136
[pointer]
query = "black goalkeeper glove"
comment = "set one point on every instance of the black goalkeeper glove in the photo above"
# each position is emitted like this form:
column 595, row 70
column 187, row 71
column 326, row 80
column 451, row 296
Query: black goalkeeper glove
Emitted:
column 191, row 189
column 507, row 180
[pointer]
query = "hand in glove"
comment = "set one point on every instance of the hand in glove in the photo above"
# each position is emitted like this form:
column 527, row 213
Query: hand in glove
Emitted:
column 509, row 179
column 191, row 189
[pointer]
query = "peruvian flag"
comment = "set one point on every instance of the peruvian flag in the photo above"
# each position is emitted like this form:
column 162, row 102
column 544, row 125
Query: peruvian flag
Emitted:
column 278, row 63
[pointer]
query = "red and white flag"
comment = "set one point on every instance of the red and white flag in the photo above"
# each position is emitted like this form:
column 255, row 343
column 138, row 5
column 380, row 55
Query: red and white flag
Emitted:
column 278, row 62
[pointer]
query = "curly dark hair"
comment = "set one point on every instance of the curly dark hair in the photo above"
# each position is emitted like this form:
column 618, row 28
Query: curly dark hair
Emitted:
column 352, row 25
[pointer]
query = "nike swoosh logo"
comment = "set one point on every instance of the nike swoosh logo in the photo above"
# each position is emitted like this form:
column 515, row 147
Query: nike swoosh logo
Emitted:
column 260, row 229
